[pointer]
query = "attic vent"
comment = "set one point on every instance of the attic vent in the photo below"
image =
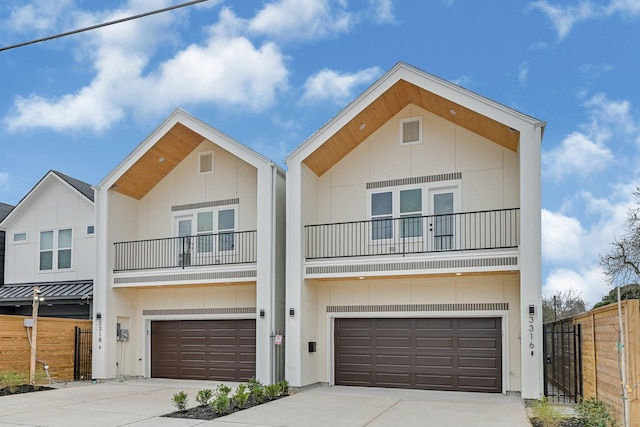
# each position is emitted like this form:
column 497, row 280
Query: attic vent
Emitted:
column 411, row 131
column 205, row 162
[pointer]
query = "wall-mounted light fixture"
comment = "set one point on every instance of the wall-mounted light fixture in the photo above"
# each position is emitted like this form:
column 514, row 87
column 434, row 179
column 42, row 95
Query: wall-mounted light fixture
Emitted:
column 292, row 312
column 98, row 315
column 262, row 313
column 532, row 310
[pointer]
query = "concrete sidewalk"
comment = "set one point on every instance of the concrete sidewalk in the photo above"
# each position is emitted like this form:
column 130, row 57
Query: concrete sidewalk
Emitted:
column 142, row 402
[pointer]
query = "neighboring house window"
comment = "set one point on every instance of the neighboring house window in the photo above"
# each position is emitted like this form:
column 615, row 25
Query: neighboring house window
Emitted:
column 55, row 249
column 205, row 162
column 91, row 229
column 411, row 131
column 19, row 237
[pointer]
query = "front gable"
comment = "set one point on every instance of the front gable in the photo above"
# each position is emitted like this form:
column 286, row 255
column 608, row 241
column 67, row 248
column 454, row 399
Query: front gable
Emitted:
column 400, row 87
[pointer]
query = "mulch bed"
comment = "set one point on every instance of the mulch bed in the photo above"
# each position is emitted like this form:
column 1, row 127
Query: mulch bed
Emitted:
column 205, row 412
column 25, row 388
column 569, row 422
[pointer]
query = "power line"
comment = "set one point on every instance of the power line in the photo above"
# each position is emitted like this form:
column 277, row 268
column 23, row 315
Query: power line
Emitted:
column 105, row 24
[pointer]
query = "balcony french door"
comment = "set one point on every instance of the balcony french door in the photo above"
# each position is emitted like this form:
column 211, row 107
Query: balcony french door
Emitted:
column 441, row 227
column 184, row 249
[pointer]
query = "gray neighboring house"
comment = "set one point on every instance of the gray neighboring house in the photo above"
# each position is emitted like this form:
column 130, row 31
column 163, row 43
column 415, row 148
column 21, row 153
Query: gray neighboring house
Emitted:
column 47, row 240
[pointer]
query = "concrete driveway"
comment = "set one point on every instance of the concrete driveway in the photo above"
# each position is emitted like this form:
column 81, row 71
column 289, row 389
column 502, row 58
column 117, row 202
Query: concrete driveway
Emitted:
column 141, row 402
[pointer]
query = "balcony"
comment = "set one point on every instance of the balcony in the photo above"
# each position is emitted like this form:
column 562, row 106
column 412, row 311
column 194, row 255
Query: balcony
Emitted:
column 186, row 252
column 468, row 231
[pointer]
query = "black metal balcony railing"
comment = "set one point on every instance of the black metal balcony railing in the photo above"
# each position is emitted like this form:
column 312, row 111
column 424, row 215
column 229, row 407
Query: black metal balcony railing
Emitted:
column 496, row 229
column 187, row 251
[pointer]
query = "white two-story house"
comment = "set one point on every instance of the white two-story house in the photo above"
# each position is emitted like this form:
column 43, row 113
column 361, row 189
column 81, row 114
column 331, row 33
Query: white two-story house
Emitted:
column 190, row 252
column 50, row 244
column 413, row 243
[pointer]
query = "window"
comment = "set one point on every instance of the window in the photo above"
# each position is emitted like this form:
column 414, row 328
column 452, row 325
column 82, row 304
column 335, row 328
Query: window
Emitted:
column 91, row 229
column 226, row 226
column 422, row 215
column 406, row 204
column 19, row 237
column 55, row 249
column 411, row 131
column 214, row 229
column 205, row 162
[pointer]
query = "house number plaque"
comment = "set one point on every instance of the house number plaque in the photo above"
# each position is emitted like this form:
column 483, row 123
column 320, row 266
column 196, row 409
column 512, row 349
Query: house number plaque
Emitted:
column 531, row 345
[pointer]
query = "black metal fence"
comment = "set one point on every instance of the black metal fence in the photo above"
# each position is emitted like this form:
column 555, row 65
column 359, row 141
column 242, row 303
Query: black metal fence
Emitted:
column 562, row 348
column 187, row 251
column 82, row 354
column 495, row 229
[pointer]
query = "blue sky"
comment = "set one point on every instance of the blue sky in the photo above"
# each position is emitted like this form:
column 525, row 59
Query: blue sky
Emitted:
column 270, row 73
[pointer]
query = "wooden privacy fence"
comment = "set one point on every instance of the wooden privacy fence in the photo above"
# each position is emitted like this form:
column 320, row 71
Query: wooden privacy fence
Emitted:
column 600, row 368
column 55, row 346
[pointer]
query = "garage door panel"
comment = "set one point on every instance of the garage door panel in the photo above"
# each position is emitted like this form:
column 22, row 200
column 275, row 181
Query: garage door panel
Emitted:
column 433, row 361
column 434, row 343
column 424, row 353
column 393, row 360
column 221, row 350
column 479, row 343
column 393, row 342
column 434, row 324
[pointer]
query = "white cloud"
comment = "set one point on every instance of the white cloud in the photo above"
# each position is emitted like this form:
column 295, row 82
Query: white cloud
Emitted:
column 565, row 17
column 37, row 16
column 383, row 11
column 562, row 237
column 584, row 152
column 300, row 19
column 576, row 154
column 4, row 181
column 523, row 73
column 590, row 283
column 225, row 68
column 335, row 86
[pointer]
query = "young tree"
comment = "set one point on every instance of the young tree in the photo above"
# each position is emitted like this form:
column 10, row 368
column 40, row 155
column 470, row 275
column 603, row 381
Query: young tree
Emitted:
column 622, row 266
column 562, row 305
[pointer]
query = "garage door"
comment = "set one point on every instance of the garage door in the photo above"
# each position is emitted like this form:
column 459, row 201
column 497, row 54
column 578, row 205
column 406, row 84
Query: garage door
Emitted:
column 222, row 350
column 462, row 354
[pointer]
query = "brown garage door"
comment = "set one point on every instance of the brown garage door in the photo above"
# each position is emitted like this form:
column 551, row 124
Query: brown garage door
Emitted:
column 223, row 350
column 462, row 354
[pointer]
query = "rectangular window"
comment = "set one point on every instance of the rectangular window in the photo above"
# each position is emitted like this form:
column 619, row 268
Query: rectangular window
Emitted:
column 19, row 237
column 226, row 226
column 46, row 250
column 91, row 229
column 411, row 212
column 56, row 249
column 204, row 231
column 381, row 213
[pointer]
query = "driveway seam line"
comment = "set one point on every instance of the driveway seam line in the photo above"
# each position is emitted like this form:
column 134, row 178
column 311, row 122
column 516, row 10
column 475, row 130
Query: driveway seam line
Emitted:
column 382, row 413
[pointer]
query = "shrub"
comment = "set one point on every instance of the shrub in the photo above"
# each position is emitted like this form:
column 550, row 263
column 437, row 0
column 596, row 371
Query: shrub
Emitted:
column 256, row 389
column 222, row 390
column 180, row 401
column 284, row 387
column 241, row 396
column 221, row 404
column 595, row 413
column 204, row 396
column 12, row 380
column 271, row 391
column 546, row 414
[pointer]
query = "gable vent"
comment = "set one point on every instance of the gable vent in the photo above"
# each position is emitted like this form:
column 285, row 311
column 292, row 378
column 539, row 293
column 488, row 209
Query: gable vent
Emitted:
column 411, row 131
